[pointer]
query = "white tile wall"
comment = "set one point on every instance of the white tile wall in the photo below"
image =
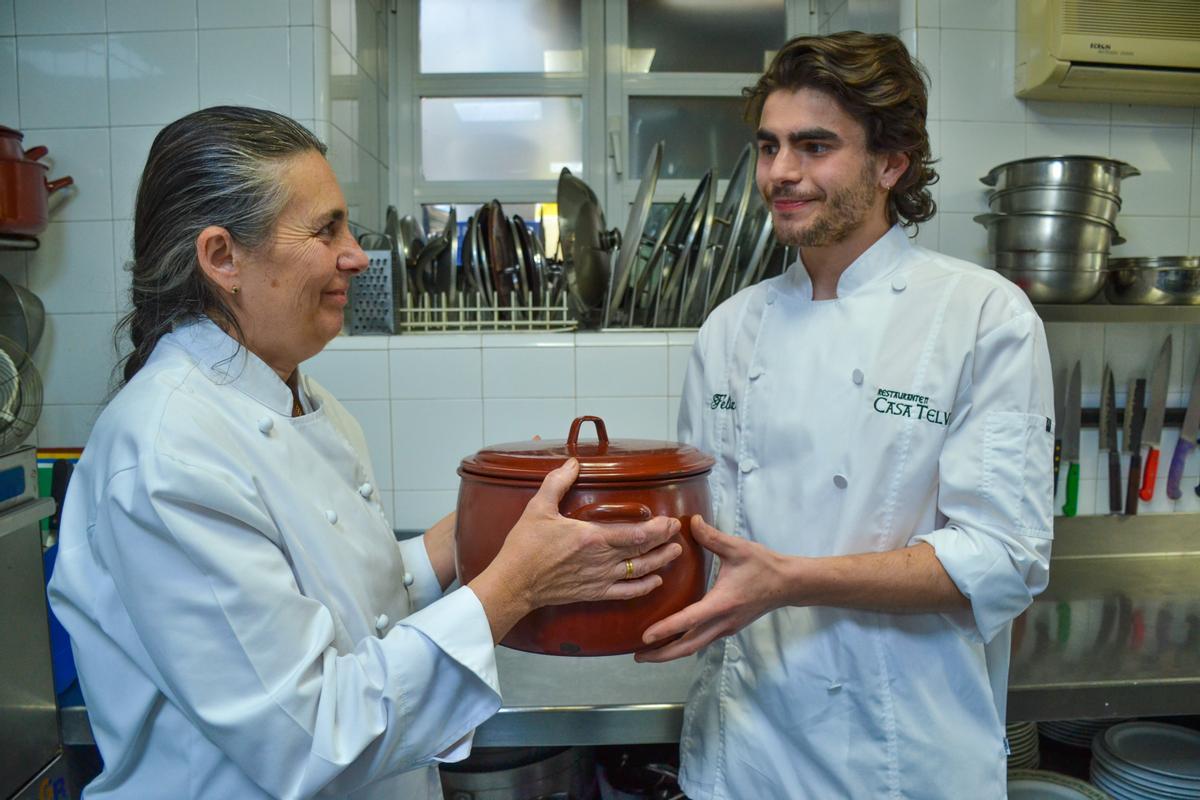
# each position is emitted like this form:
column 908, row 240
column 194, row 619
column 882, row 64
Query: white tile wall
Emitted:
column 95, row 81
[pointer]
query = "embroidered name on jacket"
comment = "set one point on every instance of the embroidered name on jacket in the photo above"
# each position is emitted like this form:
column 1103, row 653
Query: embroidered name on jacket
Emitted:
column 913, row 406
column 724, row 402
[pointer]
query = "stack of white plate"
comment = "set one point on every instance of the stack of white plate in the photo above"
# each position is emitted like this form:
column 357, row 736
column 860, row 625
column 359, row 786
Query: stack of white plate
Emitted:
column 1023, row 744
column 1075, row 732
column 1147, row 761
column 1031, row 784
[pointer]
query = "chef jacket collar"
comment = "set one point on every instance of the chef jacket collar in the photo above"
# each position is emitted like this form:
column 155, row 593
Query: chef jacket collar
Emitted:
column 880, row 259
column 227, row 363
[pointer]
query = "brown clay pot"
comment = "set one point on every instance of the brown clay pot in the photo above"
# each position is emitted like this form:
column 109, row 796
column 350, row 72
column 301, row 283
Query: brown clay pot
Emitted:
column 24, row 194
column 620, row 480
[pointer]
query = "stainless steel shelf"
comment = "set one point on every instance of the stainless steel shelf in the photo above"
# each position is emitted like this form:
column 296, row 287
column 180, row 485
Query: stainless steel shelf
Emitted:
column 1104, row 312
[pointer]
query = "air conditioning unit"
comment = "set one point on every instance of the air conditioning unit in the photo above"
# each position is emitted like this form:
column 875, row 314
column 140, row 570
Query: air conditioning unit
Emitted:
column 1109, row 51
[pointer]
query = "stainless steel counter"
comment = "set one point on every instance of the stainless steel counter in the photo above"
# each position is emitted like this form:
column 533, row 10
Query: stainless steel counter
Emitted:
column 1116, row 634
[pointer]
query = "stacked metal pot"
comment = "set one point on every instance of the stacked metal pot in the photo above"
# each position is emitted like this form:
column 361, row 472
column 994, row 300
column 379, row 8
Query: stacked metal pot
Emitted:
column 1053, row 222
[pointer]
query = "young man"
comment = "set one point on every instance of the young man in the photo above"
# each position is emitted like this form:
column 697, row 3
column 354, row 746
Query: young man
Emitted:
column 883, row 473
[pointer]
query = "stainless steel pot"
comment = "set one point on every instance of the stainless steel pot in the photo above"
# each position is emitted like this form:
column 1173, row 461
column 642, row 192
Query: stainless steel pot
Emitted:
column 1161, row 281
column 1084, row 172
column 1029, row 260
column 1057, row 286
column 1048, row 231
column 524, row 773
column 1088, row 202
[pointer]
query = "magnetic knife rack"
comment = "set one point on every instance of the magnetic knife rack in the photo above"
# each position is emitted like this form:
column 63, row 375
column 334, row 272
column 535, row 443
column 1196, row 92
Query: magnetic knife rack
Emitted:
column 1090, row 417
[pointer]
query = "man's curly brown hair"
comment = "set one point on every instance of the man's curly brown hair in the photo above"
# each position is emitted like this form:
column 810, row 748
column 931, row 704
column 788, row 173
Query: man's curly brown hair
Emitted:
column 874, row 80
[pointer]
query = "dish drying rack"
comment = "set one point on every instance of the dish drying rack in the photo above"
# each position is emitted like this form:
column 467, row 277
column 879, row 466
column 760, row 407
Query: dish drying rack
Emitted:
column 427, row 313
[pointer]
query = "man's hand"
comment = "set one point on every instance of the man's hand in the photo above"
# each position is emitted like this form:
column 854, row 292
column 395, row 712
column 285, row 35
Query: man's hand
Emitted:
column 751, row 582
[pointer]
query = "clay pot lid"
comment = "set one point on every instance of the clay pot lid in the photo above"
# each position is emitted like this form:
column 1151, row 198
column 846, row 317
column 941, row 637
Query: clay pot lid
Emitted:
column 601, row 460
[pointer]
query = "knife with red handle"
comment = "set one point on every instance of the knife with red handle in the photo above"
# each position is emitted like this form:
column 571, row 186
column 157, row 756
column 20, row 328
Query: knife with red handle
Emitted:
column 1187, row 440
column 1156, row 409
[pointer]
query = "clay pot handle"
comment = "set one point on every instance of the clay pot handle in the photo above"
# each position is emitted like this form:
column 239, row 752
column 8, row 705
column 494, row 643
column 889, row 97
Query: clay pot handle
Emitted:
column 35, row 153
column 613, row 512
column 61, row 183
column 573, row 436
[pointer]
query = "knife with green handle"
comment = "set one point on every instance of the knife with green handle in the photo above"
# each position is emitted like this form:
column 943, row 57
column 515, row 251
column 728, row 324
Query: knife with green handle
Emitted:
column 1187, row 440
column 1070, row 445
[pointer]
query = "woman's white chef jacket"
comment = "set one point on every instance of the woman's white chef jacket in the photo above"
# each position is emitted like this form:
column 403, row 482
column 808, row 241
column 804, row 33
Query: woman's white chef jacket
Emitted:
column 916, row 407
column 240, row 611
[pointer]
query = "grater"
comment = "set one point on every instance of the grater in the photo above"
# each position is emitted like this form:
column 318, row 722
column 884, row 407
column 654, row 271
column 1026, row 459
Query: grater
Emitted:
column 371, row 299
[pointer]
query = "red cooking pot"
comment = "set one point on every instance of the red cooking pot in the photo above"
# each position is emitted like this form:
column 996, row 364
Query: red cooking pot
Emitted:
column 620, row 480
column 24, row 194
column 10, row 145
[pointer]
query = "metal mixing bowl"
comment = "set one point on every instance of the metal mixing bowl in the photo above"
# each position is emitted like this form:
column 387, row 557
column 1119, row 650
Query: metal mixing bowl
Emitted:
column 1084, row 172
column 1048, row 231
column 1057, row 285
column 1160, row 281
column 1025, row 260
column 1090, row 203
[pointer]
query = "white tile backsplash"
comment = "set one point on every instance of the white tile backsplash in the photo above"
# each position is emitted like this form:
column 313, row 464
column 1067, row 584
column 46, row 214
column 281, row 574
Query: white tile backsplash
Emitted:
column 63, row 81
column 962, row 237
column 8, row 24
column 418, row 510
column 82, row 153
column 8, row 81
column 152, row 76
column 1054, row 139
column 1152, row 116
column 245, row 67
column 76, row 358
column 1071, row 113
column 357, row 374
column 72, row 270
column 984, row 93
column 242, row 14
column 151, row 15
column 59, row 16
column 992, row 15
column 1151, row 236
column 130, row 147
column 968, row 151
column 302, row 71
column 1162, row 155
column 621, row 371
column 529, row 372
column 518, row 420
column 66, row 425
column 433, row 373
column 629, row 417
column 430, row 438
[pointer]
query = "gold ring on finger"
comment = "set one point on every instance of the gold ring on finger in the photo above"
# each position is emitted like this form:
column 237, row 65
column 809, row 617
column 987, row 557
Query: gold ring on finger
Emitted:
column 628, row 568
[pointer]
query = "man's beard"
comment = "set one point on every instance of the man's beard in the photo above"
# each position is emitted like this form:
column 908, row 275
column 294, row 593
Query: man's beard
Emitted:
column 843, row 213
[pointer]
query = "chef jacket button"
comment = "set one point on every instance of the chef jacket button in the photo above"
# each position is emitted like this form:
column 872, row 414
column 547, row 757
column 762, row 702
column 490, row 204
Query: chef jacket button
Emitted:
column 899, row 284
column 265, row 425
column 408, row 579
column 732, row 653
column 857, row 377
column 746, row 464
column 366, row 489
column 840, row 481
column 756, row 372
column 381, row 622
column 771, row 296
column 331, row 515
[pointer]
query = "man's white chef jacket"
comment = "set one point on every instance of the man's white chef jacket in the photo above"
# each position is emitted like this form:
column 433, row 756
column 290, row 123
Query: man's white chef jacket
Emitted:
column 240, row 611
column 915, row 407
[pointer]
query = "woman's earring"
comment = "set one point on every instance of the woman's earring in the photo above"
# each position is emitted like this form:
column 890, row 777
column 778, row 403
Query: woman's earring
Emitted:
column 235, row 289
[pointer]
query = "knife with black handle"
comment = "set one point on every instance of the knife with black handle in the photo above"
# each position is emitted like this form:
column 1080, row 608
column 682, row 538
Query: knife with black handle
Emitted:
column 1060, row 392
column 1187, row 440
column 1108, row 439
column 1135, row 447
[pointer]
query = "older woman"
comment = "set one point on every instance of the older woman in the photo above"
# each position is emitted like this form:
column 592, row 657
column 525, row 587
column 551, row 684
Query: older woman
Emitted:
column 244, row 621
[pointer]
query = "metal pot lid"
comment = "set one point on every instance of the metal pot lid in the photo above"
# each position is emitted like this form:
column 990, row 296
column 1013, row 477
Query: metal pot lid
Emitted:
column 601, row 460
column 1155, row 262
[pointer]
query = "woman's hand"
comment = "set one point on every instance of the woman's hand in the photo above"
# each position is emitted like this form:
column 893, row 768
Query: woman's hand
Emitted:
column 752, row 581
column 439, row 545
column 548, row 559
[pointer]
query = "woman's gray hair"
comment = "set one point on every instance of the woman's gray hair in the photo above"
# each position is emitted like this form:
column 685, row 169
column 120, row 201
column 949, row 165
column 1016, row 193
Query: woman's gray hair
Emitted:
column 218, row 166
